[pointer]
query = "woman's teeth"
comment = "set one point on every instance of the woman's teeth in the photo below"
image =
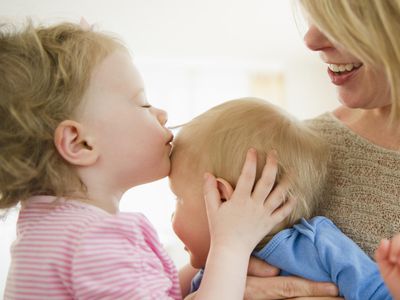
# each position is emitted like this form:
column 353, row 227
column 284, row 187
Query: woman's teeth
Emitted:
column 342, row 68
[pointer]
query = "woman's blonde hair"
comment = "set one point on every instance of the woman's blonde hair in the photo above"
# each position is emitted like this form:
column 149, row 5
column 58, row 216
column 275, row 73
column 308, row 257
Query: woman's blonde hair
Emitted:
column 217, row 141
column 44, row 74
column 369, row 29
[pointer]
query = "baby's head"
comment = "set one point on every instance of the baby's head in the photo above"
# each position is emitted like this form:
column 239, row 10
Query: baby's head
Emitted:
column 72, row 111
column 217, row 142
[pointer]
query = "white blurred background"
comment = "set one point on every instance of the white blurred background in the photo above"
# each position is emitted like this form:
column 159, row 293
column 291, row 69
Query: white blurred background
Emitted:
column 194, row 54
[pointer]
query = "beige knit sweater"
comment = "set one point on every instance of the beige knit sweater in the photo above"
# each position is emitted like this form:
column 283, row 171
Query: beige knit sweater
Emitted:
column 362, row 194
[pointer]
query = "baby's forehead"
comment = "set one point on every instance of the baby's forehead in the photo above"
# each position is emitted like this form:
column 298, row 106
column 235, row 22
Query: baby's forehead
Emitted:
column 185, row 167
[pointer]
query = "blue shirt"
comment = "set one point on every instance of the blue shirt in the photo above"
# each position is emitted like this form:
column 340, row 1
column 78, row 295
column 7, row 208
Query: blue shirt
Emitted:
column 317, row 250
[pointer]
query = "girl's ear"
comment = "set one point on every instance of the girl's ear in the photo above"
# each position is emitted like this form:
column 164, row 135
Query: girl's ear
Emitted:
column 225, row 189
column 74, row 145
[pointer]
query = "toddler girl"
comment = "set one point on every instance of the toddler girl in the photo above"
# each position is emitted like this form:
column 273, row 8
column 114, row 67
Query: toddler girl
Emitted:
column 76, row 132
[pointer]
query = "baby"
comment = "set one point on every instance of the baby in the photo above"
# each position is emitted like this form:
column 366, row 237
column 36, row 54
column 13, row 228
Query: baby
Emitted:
column 313, row 248
column 76, row 132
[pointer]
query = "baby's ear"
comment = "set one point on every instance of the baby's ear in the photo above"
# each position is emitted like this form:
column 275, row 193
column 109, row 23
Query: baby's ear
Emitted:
column 225, row 189
column 74, row 145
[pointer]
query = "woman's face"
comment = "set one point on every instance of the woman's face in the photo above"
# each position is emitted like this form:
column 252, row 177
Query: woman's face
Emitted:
column 358, row 85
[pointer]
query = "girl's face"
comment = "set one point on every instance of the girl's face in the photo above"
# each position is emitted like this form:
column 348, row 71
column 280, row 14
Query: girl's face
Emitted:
column 358, row 85
column 130, row 135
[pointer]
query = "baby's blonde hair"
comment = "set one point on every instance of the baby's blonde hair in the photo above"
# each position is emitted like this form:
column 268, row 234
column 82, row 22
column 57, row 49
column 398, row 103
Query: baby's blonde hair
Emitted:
column 217, row 141
column 45, row 72
column 369, row 29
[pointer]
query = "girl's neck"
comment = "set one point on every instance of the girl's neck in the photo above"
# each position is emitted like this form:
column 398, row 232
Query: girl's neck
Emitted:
column 373, row 125
column 111, row 206
column 101, row 199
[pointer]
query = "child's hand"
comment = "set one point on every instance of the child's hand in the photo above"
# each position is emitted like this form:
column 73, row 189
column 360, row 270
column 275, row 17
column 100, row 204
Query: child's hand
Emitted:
column 244, row 219
column 388, row 258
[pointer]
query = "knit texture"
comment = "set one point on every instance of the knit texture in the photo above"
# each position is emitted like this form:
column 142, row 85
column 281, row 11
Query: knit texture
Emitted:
column 362, row 193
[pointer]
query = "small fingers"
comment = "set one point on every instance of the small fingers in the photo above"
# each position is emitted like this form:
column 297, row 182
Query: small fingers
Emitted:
column 266, row 182
column 211, row 194
column 278, row 195
column 284, row 211
column 382, row 252
column 394, row 252
column 382, row 257
column 246, row 179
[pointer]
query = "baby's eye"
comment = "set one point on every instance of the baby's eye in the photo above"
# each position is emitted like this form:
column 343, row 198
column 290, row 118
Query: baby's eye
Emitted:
column 146, row 106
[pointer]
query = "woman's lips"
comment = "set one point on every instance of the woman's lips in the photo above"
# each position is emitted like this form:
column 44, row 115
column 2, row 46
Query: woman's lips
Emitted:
column 340, row 78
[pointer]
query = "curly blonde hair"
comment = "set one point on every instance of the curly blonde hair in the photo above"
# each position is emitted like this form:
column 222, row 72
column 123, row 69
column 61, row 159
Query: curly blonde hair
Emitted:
column 217, row 141
column 44, row 74
column 369, row 29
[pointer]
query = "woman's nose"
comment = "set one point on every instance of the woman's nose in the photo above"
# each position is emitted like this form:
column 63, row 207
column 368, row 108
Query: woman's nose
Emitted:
column 315, row 40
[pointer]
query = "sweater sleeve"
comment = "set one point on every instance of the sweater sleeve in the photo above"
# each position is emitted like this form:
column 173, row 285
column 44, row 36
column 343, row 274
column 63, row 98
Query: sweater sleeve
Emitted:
column 350, row 268
column 121, row 258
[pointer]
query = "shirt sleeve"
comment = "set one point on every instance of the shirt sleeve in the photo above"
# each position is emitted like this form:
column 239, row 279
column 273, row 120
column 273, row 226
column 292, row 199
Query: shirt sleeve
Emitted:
column 121, row 258
column 319, row 251
column 196, row 281
column 350, row 268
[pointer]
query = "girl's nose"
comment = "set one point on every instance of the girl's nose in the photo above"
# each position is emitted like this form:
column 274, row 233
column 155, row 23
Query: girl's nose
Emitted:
column 315, row 40
column 162, row 116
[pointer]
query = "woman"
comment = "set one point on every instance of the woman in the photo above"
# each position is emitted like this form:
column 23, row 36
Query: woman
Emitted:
column 358, row 40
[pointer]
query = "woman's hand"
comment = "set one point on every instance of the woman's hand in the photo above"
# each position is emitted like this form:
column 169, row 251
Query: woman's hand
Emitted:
column 264, row 284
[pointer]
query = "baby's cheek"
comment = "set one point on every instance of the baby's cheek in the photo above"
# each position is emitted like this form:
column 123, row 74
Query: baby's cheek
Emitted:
column 176, row 225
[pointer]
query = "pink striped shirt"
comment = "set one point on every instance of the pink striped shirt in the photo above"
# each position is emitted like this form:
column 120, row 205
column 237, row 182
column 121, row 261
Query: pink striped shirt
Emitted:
column 71, row 250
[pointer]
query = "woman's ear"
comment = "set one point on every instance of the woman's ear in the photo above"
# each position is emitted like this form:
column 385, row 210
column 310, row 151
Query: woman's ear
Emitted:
column 74, row 145
column 225, row 189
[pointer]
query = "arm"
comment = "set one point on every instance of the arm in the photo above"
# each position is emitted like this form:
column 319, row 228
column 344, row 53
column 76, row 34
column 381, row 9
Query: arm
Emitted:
column 330, row 256
column 353, row 271
column 237, row 225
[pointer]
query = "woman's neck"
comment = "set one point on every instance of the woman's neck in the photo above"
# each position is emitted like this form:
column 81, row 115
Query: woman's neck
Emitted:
column 373, row 125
